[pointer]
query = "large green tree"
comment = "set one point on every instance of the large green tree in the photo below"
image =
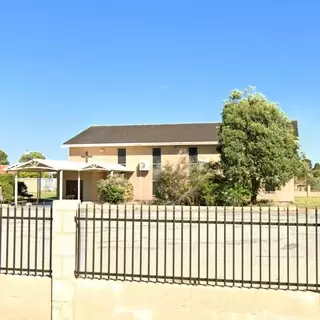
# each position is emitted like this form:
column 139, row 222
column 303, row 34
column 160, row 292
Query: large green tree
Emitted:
column 3, row 158
column 257, row 143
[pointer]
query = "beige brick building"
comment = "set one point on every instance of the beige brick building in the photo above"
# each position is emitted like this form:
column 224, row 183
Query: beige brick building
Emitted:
column 142, row 149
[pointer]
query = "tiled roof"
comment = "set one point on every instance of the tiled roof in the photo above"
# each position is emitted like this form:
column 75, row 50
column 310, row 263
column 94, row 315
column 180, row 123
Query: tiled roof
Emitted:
column 153, row 133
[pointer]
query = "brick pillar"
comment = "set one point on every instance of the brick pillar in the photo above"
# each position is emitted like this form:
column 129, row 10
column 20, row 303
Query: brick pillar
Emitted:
column 63, row 258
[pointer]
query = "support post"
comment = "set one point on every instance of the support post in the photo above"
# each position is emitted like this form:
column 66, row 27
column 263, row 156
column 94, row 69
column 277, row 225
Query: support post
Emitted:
column 16, row 189
column 61, row 185
column 111, row 173
column 79, row 185
column 38, row 187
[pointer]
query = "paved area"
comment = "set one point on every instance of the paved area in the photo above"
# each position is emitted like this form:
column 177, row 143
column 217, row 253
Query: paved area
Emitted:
column 25, row 242
column 203, row 252
column 180, row 250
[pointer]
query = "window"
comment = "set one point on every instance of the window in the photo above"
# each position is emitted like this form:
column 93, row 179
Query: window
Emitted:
column 156, row 166
column 156, row 157
column 193, row 155
column 122, row 157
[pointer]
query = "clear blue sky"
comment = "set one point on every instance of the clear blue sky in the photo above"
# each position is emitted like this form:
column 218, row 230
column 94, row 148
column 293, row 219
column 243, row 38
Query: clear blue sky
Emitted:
column 65, row 65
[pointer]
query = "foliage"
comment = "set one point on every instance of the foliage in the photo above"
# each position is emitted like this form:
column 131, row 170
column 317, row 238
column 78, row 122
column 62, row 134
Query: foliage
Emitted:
column 207, row 190
column 315, row 184
column 7, row 178
column 3, row 158
column 232, row 194
column 182, row 184
column 308, row 175
column 203, row 184
column 7, row 185
column 7, row 191
column 115, row 189
column 316, row 166
column 205, row 179
column 172, row 183
column 257, row 143
column 27, row 156
column 305, row 174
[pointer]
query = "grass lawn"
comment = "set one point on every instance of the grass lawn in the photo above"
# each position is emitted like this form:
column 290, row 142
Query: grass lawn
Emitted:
column 46, row 195
column 307, row 202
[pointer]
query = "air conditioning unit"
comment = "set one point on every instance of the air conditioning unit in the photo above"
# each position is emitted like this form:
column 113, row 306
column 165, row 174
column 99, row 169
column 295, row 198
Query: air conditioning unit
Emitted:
column 144, row 166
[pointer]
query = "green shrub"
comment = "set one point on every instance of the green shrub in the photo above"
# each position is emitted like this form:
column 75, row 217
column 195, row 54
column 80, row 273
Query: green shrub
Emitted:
column 201, row 184
column 7, row 178
column 7, row 191
column 228, row 194
column 182, row 184
column 115, row 189
column 7, row 187
column 207, row 191
column 172, row 183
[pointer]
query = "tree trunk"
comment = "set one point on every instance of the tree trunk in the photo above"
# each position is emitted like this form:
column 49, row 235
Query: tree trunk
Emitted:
column 254, row 198
column 255, row 187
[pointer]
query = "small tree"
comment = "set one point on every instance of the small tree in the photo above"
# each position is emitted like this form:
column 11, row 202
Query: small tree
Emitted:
column 316, row 170
column 305, row 174
column 257, row 142
column 3, row 158
column 27, row 156
column 115, row 189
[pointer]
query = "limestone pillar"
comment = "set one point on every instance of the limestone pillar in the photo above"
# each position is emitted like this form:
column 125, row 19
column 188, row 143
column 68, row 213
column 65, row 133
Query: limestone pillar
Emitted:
column 63, row 258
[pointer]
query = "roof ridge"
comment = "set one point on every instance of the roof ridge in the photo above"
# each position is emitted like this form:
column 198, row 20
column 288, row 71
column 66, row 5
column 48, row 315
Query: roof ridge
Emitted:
column 151, row 124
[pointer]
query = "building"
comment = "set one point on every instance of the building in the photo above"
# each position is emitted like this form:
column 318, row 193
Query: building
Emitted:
column 141, row 149
column 3, row 168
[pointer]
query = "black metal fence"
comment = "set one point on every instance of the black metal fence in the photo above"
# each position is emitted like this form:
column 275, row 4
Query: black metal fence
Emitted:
column 248, row 247
column 26, row 240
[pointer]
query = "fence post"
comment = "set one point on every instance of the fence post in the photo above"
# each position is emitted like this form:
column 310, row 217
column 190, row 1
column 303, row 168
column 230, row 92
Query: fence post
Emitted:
column 63, row 258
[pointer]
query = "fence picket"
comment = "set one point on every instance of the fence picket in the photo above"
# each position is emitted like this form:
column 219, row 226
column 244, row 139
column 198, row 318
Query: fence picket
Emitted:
column 231, row 253
column 16, row 244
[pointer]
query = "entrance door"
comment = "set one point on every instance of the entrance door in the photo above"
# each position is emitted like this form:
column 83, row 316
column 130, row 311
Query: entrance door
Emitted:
column 72, row 189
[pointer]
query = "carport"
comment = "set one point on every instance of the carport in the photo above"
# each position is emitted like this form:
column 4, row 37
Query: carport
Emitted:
column 61, row 166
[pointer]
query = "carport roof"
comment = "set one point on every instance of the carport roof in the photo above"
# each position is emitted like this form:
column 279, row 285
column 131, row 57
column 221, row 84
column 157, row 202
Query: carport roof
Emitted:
column 44, row 165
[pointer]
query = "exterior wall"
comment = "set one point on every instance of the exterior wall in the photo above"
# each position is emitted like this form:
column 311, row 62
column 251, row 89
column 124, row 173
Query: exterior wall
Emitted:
column 305, row 194
column 89, row 179
column 95, row 299
column 142, row 181
column 285, row 194
column 23, row 297
column 32, row 184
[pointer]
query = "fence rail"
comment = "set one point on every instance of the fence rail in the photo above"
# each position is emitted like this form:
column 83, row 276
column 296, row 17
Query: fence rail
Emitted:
column 248, row 247
column 26, row 240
